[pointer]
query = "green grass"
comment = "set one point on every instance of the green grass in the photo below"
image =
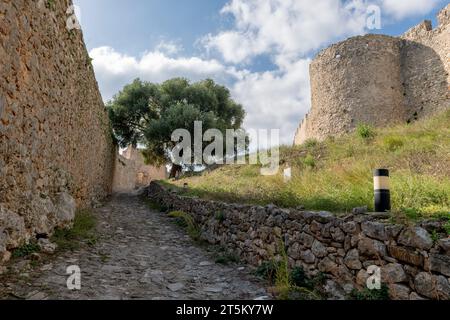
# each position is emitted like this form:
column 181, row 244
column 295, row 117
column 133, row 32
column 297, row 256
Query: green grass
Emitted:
column 367, row 294
column 290, row 284
column 336, row 174
column 186, row 221
column 83, row 232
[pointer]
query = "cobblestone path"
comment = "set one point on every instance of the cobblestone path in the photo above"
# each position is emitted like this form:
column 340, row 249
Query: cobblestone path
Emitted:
column 141, row 254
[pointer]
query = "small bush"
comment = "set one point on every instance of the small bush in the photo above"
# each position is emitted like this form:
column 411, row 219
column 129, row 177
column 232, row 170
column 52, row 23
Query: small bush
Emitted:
column 367, row 294
column 267, row 270
column 26, row 250
column 189, row 223
column 309, row 161
column 365, row 131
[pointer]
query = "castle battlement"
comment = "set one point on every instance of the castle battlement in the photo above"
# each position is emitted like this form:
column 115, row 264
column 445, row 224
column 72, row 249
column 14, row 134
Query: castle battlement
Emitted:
column 379, row 80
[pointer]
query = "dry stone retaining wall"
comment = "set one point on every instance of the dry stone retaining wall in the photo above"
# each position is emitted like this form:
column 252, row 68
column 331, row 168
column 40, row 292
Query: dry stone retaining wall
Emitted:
column 413, row 265
column 56, row 149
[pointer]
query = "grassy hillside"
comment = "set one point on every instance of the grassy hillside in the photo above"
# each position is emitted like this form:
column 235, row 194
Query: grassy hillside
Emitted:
column 336, row 175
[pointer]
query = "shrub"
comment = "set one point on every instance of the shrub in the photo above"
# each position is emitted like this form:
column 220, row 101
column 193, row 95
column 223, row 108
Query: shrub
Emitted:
column 365, row 131
column 309, row 161
column 367, row 294
column 26, row 250
column 267, row 270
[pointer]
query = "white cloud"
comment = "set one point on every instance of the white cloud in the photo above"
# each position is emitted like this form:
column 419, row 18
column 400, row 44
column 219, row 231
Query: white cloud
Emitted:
column 400, row 9
column 275, row 100
column 287, row 31
column 115, row 69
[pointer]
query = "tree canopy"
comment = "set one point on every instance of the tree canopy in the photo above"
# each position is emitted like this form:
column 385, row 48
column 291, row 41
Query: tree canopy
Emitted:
column 147, row 114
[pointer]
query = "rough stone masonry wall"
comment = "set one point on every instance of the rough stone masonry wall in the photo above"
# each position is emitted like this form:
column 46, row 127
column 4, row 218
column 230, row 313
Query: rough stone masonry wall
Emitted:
column 379, row 80
column 412, row 264
column 56, row 149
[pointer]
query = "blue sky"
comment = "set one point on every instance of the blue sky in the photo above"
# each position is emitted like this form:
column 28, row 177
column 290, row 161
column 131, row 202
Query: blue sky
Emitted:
column 260, row 49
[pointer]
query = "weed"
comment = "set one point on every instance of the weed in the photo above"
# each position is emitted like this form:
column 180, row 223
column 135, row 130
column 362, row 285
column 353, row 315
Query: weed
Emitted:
column 50, row 4
column 447, row 228
column 26, row 250
column 83, row 231
column 365, row 131
column 189, row 223
column 311, row 143
column 367, row 294
column 220, row 216
column 309, row 161
column 267, row 270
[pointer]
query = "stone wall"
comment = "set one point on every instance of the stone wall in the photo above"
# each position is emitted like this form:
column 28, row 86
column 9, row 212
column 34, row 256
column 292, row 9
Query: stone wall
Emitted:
column 56, row 149
column 379, row 80
column 132, row 173
column 412, row 264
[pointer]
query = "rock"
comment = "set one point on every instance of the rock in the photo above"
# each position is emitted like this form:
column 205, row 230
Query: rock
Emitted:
column 393, row 273
column 415, row 297
column 440, row 263
column 316, row 227
column 65, row 207
column 399, row 292
column 393, row 230
column 350, row 227
column 406, row 255
column 206, row 264
column 445, row 245
column 12, row 230
column 375, row 230
column 361, row 278
column 337, row 234
column 328, row 266
column 424, row 284
column 334, row 291
column 371, row 248
column 308, row 257
column 306, row 239
column 416, row 238
column 175, row 286
column 360, row 210
column 434, row 287
column 318, row 249
column 442, row 287
column 46, row 246
column 3, row 270
column 352, row 261
column 213, row 289
column 5, row 256
column 294, row 251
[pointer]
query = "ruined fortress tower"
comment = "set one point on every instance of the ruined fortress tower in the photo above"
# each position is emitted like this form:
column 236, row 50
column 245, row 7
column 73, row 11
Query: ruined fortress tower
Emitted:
column 379, row 80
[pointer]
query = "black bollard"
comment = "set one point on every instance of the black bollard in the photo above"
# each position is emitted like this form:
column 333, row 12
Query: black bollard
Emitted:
column 382, row 190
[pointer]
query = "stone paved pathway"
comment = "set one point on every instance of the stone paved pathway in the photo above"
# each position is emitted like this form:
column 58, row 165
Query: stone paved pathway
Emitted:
column 140, row 255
